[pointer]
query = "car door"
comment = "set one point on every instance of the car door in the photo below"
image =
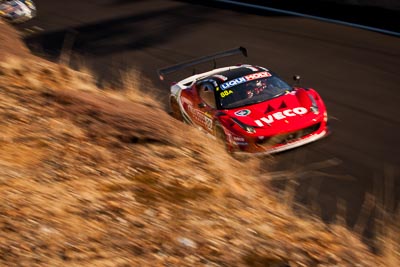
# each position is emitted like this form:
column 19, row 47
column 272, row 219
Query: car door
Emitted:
column 204, row 106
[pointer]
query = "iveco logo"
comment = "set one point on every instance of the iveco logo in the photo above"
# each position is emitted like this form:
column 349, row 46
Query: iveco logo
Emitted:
column 242, row 112
column 280, row 116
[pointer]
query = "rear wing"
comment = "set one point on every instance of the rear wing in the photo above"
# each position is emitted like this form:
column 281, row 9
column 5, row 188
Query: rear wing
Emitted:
column 167, row 70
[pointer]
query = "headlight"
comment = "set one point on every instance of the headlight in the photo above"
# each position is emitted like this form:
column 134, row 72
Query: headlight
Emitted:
column 247, row 128
column 314, row 108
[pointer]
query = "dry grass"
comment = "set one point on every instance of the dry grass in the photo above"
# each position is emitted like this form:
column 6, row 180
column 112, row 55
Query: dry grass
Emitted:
column 388, row 241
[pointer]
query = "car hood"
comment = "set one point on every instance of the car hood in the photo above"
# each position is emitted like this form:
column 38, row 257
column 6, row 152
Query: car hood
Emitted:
column 288, row 112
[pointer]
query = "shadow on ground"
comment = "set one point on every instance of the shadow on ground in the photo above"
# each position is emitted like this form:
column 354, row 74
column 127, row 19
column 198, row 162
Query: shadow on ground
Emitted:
column 116, row 35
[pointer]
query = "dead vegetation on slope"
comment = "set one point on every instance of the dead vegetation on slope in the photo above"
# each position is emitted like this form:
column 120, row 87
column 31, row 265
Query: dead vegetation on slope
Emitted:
column 10, row 44
column 91, row 177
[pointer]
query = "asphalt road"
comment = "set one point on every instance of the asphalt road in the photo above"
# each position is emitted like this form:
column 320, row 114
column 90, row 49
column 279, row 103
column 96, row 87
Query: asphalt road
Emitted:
column 357, row 73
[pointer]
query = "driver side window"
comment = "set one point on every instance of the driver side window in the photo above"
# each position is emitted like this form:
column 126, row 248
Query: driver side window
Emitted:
column 206, row 93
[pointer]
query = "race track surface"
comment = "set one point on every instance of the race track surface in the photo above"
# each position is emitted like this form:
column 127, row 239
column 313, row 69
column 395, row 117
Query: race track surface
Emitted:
column 357, row 73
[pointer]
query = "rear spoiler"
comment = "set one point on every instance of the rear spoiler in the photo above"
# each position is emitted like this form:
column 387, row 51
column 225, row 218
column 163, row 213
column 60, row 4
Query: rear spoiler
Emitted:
column 164, row 71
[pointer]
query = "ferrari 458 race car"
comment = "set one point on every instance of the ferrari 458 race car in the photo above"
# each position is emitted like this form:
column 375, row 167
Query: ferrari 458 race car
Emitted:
column 248, row 107
column 17, row 11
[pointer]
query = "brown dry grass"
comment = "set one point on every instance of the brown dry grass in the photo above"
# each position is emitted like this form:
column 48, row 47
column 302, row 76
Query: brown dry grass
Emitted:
column 93, row 177
column 10, row 42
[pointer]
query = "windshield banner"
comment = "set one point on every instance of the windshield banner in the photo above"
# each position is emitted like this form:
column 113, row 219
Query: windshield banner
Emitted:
column 244, row 79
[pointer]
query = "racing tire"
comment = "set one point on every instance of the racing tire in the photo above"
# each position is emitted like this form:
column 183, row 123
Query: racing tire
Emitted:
column 174, row 109
column 221, row 138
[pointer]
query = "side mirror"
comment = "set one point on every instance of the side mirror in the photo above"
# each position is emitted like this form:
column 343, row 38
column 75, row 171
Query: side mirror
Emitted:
column 296, row 78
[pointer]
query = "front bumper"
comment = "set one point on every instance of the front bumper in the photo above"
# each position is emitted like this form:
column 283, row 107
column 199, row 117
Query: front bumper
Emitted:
column 254, row 147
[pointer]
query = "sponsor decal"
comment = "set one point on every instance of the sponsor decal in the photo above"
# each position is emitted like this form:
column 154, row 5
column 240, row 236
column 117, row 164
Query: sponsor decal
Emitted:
column 204, row 119
column 244, row 79
column 280, row 115
column 233, row 82
column 257, row 75
column 242, row 112
column 225, row 93
column 241, row 143
column 238, row 138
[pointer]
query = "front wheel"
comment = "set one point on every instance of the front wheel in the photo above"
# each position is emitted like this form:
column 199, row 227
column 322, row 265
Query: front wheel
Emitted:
column 221, row 138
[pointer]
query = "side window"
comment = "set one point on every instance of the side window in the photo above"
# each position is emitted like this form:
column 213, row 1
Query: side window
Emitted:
column 206, row 92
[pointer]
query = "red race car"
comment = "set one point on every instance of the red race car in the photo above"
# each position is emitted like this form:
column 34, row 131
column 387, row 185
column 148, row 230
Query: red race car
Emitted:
column 248, row 107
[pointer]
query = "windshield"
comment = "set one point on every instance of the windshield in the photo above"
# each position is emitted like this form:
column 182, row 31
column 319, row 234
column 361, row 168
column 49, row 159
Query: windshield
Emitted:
column 252, row 92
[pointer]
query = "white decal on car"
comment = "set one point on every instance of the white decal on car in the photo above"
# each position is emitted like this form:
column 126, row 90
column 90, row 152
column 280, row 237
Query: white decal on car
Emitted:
column 202, row 118
column 244, row 79
column 233, row 83
column 280, row 115
column 257, row 75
